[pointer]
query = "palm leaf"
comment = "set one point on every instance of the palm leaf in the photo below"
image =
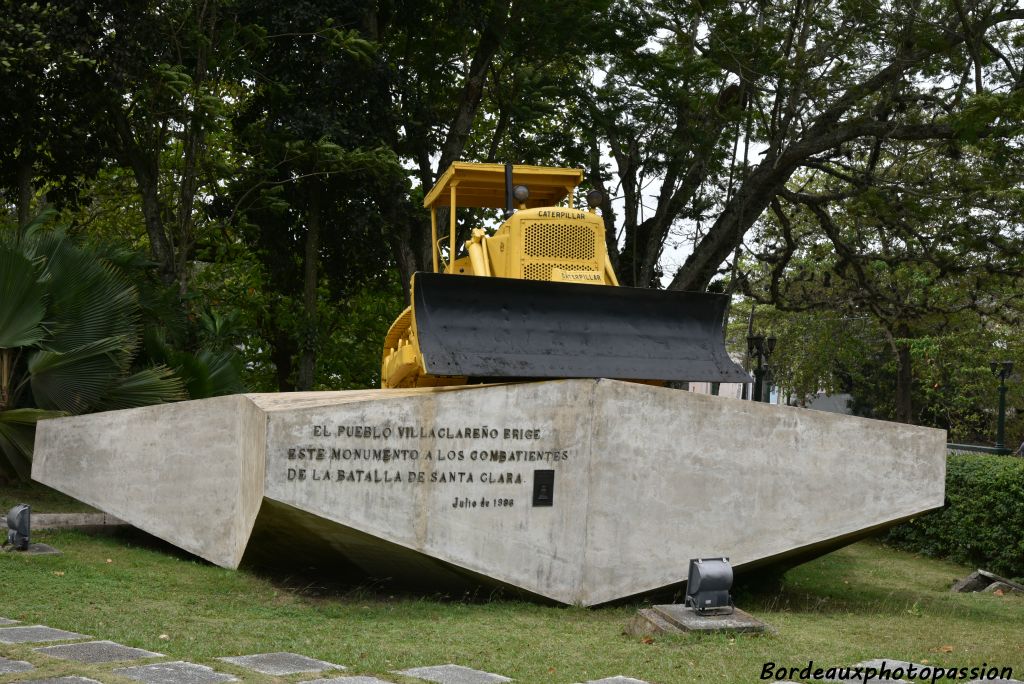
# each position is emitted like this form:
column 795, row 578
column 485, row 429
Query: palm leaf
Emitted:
column 22, row 301
column 156, row 385
column 75, row 380
column 90, row 299
column 17, row 434
column 209, row 374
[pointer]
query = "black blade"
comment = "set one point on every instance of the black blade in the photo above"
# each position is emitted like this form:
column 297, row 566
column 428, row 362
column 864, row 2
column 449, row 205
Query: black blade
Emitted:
column 504, row 328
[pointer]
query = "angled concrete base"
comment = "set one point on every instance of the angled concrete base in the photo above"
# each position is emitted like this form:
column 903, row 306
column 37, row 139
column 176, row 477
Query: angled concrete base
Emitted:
column 582, row 491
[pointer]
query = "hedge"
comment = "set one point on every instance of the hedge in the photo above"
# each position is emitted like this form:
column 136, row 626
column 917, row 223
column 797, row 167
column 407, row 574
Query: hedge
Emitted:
column 982, row 524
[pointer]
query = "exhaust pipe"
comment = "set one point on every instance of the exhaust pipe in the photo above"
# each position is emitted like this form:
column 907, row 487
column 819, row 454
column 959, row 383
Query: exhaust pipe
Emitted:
column 509, row 208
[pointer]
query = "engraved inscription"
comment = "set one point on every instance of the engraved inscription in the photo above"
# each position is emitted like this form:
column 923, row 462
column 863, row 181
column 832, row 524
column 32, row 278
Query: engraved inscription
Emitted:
column 490, row 464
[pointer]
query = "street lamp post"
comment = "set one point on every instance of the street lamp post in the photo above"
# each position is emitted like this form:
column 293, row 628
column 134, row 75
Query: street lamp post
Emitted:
column 761, row 348
column 1001, row 371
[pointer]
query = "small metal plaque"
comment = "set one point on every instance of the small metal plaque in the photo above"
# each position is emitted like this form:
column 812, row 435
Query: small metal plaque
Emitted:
column 543, row 487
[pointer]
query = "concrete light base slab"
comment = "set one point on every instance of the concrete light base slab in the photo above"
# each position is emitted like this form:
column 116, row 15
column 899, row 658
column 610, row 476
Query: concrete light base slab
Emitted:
column 580, row 491
column 684, row 619
column 36, row 550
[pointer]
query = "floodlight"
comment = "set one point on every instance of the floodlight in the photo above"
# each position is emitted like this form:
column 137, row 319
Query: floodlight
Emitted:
column 18, row 526
column 521, row 193
column 708, row 584
column 595, row 198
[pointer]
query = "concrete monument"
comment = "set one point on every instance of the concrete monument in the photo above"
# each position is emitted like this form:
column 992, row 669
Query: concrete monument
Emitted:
column 582, row 491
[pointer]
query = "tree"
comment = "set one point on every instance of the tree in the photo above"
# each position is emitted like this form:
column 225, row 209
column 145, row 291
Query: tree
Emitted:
column 912, row 235
column 729, row 100
column 49, row 140
column 317, row 173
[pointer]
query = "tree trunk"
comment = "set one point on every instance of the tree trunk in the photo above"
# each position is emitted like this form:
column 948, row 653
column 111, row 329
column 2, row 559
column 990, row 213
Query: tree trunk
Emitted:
column 307, row 360
column 491, row 38
column 754, row 195
column 282, row 349
column 6, row 370
column 405, row 256
column 904, row 383
column 145, row 167
column 607, row 212
column 194, row 141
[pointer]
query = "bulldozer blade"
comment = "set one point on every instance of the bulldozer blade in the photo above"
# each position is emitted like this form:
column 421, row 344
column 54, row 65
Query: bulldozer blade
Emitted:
column 490, row 328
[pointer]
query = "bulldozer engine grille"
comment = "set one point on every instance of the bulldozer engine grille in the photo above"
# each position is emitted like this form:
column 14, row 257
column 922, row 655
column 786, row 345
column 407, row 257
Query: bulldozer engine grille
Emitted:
column 538, row 271
column 547, row 246
column 559, row 241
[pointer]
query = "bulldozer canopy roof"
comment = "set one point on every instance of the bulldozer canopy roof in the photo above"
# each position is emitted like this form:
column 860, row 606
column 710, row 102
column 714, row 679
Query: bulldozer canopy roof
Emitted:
column 483, row 185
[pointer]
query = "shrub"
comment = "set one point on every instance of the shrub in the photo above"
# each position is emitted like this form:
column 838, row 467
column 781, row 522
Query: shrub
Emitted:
column 983, row 522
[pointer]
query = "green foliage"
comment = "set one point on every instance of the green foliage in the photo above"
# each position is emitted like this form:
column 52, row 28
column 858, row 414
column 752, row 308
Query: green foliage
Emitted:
column 983, row 525
column 23, row 305
column 73, row 355
column 17, row 434
column 350, row 357
column 208, row 372
column 815, row 351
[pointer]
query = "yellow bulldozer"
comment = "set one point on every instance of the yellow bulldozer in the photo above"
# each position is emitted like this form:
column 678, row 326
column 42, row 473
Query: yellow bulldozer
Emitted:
column 538, row 298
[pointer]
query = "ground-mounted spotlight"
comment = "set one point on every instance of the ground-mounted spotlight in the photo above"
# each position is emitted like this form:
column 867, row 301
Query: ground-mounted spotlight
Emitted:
column 19, row 526
column 708, row 585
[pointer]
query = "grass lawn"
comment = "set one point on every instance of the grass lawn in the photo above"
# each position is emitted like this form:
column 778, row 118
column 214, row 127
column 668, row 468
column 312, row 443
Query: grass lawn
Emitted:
column 865, row 601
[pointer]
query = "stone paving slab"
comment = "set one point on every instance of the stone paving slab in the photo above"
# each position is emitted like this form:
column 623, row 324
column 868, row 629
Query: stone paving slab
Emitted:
column 890, row 663
column 7, row 621
column 36, row 634
column 60, row 680
column 859, row 678
column 347, row 680
column 8, row 666
column 617, row 679
column 453, row 674
column 96, row 652
column 177, row 672
column 281, row 663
